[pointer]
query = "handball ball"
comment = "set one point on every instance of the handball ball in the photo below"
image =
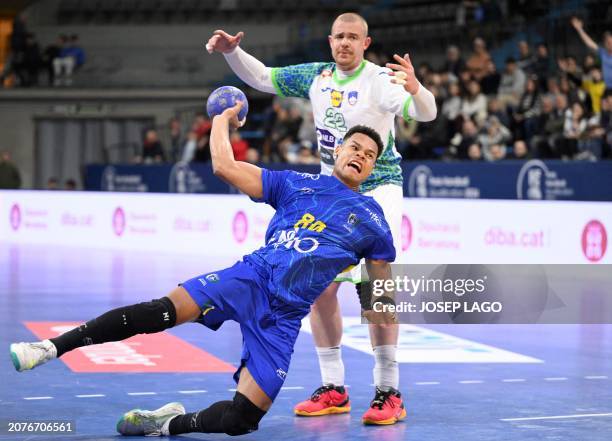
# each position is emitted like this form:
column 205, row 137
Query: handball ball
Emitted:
column 224, row 97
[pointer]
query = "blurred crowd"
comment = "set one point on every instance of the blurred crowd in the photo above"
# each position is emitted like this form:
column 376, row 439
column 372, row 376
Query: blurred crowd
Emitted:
column 26, row 61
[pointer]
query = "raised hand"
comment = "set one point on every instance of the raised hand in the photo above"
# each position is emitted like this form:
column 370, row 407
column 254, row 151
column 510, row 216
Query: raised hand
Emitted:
column 576, row 22
column 223, row 42
column 404, row 74
column 231, row 114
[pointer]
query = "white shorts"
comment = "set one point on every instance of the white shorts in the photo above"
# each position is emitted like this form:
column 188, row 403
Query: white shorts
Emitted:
column 391, row 198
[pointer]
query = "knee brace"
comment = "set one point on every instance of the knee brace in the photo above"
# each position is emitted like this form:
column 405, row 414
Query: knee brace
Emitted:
column 236, row 417
column 151, row 317
column 124, row 322
column 240, row 416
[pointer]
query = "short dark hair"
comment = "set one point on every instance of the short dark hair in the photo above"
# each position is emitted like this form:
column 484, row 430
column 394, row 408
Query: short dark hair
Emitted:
column 370, row 133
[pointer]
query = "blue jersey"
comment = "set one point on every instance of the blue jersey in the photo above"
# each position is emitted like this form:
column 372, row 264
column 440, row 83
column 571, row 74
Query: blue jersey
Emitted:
column 320, row 228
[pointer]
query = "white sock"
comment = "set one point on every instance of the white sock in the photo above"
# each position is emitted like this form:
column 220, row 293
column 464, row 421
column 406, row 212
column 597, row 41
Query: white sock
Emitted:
column 331, row 365
column 386, row 371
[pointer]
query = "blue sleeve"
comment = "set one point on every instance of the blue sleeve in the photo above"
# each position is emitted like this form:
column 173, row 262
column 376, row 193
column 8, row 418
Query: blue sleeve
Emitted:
column 274, row 185
column 295, row 81
column 381, row 247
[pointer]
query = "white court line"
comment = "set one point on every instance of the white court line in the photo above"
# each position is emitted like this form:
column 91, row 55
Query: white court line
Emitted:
column 191, row 391
column 37, row 398
column 142, row 393
column 471, row 381
column 555, row 378
column 90, row 396
column 426, row 383
column 513, row 380
column 596, row 377
column 292, row 387
column 559, row 417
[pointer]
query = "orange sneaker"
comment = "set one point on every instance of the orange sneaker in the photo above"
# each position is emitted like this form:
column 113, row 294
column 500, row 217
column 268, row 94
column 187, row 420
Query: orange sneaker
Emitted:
column 326, row 400
column 385, row 408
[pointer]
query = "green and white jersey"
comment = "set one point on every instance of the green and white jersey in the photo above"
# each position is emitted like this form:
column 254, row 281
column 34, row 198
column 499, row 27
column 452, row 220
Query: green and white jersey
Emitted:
column 366, row 97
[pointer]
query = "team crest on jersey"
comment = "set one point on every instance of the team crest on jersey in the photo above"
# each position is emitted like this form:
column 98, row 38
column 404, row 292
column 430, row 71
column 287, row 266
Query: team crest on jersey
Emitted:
column 326, row 73
column 351, row 222
column 336, row 98
column 352, row 97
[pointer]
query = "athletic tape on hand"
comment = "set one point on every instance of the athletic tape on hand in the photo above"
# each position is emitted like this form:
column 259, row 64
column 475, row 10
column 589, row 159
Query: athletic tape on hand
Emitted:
column 399, row 77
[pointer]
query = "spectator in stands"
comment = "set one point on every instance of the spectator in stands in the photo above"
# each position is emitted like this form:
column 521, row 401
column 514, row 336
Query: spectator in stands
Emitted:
column 176, row 139
column 542, row 67
column 520, row 151
column 30, row 63
column 512, row 84
column 574, row 128
column 606, row 124
column 478, row 61
column 495, row 108
column 52, row 183
column 526, row 59
column 252, row 156
column 588, row 62
column 595, row 87
column 70, row 185
column 474, row 105
column 451, row 108
column 190, row 147
column 454, row 63
column 494, row 133
column 239, row 146
column 17, row 43
column 152, row 150
column 50, row 53
column 461, row 141
column 475, row 152
column 524, row 118
column 70, row 58
column 490, row 82
column 10, row 178
column 605, row 52
column 496, row 152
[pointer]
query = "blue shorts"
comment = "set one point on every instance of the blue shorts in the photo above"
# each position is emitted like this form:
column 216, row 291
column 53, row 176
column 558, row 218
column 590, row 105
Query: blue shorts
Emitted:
column 269, row 327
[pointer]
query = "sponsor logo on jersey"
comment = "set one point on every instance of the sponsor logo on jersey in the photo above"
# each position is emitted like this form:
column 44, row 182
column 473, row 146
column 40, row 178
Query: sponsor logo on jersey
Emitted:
column 336, row 97
column 309, row 176
column 375, row 217
column 290, row 239
column 352, row 97
column 306, row 190
column 309, row 222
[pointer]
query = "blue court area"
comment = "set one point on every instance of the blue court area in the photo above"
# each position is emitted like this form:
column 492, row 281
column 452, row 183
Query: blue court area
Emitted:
column 480, row 382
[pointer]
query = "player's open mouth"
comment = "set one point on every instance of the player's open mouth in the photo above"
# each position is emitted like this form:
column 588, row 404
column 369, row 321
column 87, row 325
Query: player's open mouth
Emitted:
column 356, row 165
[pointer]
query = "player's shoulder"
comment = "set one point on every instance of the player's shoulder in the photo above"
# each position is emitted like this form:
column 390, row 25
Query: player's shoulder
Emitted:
column 375, row 70
column 374, row 212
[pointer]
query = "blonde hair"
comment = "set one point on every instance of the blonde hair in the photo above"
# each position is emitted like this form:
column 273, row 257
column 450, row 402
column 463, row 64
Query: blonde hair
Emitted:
column 352, row 17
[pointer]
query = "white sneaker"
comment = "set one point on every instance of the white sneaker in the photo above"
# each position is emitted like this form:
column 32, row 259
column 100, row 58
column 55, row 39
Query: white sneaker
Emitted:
column 149, row 422
column 27, row 356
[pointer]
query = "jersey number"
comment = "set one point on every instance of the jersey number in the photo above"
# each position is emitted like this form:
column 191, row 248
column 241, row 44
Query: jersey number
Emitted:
column 334, row 120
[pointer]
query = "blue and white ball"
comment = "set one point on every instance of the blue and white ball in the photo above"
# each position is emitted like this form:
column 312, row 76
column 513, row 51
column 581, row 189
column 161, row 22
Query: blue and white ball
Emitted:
column 224, row 97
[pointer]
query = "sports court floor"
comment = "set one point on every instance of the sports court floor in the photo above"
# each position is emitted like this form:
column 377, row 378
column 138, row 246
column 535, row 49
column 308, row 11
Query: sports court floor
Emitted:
column 477, row 382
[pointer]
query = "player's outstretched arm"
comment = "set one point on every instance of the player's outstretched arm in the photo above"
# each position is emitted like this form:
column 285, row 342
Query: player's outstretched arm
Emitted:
column 248, row 68
column 588, row 41
column 242, row 175
column 383, row 293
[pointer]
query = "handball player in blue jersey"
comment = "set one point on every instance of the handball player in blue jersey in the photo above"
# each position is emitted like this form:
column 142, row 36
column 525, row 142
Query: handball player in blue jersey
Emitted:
column 322, row 226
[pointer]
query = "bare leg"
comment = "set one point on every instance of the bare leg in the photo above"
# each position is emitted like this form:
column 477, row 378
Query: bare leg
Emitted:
column 326, row 319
